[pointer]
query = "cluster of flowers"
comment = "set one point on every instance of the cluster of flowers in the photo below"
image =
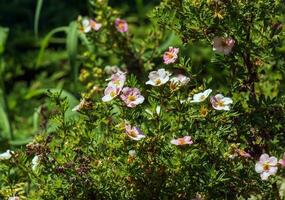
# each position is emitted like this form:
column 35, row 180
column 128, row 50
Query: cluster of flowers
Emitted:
column 222, row 45
column 131, row 96
column 88, row 25
column 8, row 154
column 135, row 133
column 267, row 166
column 161, row 76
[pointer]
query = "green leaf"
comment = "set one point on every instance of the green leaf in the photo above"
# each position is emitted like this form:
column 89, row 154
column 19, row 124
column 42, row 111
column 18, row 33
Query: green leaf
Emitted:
column 20, row 142
column 72, row 101
column 37, row 17
column 5, row 128
column 72, row 46
column 3, row 38
column 45, row 42
column 168, row 42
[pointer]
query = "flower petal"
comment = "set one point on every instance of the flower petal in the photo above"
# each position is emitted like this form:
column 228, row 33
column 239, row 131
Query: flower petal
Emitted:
column 263, row 158
column 264, row 175
column 107, row 98
column 272, row 170
column 227, row 100
column 272, row 160
column 149, row 82
column 258, row 167
column 207, row 92
column 175, row 142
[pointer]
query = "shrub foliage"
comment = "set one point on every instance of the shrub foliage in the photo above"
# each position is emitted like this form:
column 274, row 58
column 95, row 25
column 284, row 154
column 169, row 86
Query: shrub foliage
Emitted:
column 131, row 149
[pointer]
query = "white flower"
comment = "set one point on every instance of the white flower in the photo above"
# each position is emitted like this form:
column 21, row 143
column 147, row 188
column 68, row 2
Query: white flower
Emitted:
column 134, row 132
column 6, row 155
column 89, row 24
column 159, row 77
column 266, row 166
column 157, row 109
column 35, row 162
column 79, row 106
column 178, row 81
column 86, row 26
column 202, row 96
column 14, row 198
column 111, row 92
column 118, row 79
column 182, row 141
column 132, row 153
column 219, row 102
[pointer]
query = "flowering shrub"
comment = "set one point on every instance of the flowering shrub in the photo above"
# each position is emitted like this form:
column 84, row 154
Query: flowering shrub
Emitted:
column 193, row 115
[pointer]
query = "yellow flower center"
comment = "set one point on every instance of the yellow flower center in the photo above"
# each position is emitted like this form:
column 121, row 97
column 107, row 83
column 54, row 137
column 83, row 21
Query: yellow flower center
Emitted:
column 181, row 141
column 169, row 55
column 203, row 111
column 121, row 25
column 202, row 97
column 132, row 134
column 113, row 93
column 157, row 82
column 116, row 82
column 266, row 166
column 131, row 98
column 92, row 23
column 225, row 43
column 221, row 103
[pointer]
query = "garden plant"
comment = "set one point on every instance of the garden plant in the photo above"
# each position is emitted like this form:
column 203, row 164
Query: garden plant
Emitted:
column 185, row 100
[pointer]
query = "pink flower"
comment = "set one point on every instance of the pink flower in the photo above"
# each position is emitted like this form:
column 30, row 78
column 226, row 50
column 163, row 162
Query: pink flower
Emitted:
column 115, row 86
column 118, row 79
column 182, row 141
column 134, row 132
column 266, row 166
column 282, row 161
column 89, row 24
column 223, row 45
column 170, row 56
column 111, row 92
column 219, row 102
column 132, row 97
column 243, row 153
column 121, row 25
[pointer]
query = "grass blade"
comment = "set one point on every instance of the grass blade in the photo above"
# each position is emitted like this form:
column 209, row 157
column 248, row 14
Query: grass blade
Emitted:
column 72, row 47
column 5, row 124
column 5, row 128
column 37, row 17
column 45, row 42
